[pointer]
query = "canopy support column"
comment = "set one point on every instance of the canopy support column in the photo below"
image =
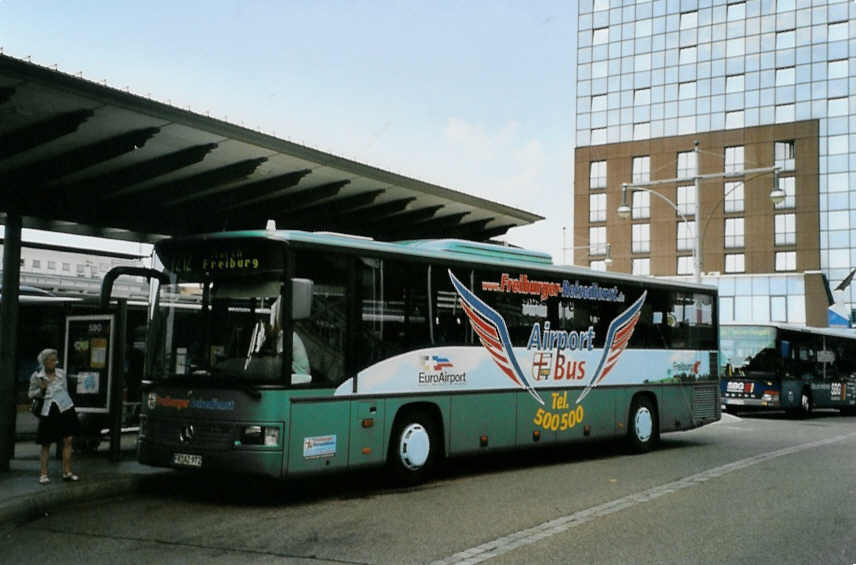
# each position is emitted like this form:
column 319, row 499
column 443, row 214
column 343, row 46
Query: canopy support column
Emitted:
column 9, row 336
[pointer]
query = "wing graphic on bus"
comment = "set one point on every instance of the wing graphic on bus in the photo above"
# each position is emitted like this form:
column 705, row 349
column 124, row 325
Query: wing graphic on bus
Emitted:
column 617, row 337
column 490, row 326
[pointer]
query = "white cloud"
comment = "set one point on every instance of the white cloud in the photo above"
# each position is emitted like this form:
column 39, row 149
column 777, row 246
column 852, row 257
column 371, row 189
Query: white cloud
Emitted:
column 478, row 143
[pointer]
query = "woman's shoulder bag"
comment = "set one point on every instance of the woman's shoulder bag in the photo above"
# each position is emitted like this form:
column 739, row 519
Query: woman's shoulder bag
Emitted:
column 36, row 408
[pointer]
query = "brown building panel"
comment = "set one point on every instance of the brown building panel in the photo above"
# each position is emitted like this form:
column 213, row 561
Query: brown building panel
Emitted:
column 758, row 250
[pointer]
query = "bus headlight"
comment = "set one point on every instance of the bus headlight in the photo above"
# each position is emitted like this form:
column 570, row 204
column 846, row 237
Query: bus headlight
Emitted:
column 260, row 435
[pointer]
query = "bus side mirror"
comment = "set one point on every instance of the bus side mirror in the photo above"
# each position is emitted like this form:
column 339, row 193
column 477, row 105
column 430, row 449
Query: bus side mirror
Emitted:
column 301, row 299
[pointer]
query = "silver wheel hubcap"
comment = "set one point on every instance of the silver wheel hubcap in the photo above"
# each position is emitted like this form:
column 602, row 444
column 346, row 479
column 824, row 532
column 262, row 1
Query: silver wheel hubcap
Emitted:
column 643, row 424
column 414, row 447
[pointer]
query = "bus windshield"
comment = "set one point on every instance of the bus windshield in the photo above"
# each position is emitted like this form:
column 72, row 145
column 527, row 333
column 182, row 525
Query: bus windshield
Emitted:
column 747, row 348
column 211, row 330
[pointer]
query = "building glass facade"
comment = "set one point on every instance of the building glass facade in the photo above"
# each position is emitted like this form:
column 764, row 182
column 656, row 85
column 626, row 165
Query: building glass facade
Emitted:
column 680, row 67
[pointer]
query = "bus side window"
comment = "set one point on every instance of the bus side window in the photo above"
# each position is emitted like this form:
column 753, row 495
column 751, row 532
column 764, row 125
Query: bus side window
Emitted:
column 323, row 332
column 449, row 321
column 509, row 305
column 393, row 299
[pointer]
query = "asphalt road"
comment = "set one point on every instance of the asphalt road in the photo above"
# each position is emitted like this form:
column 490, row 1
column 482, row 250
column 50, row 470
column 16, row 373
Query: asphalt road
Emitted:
column 745, row 490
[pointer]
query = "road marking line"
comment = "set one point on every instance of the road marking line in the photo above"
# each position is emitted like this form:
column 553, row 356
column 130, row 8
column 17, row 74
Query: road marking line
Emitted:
column 512, row 541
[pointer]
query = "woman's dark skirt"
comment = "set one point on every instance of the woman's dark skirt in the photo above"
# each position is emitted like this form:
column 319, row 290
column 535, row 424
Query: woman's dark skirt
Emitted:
column 57, row 425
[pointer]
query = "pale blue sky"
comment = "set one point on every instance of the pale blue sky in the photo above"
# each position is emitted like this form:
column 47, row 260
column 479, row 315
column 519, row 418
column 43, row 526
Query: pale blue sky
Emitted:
column 474, row 96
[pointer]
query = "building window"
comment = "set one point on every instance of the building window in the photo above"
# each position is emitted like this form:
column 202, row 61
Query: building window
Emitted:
column 734, row 196
column 687, row 55
column 600, row 36
column 736, row 12
column 641, row 169
column 66, row 267
column 837, row 145
column 836, row 107
column 642, row 266
column 597, row 240
column 22, row 262
column 686, row 164
column 785, row 113
column 786, row 76
column 689, row 20
column 597, row 265
column 597, row 174
column 734, row 263
column 837, row 69
column 788, row 185
column 778, row 309
column 641, row 97
column 786, row 261
column 598, row 136
column 734, row 159
column 784, row 40
column 37, row 264
column 642, row 130
column 785, row 229
column 686, row 200
column 686, row 235
column 734, row 120
column 80, row 269
column 734, row 83
column 641, row 204
column 733, row 232
column 836, row 31
column 726, row 308
column 597, row 208
column 51, row 265
column 687, row 90
column 785, row 155
column 641, row 234
column 685, row 265
column 598, row 103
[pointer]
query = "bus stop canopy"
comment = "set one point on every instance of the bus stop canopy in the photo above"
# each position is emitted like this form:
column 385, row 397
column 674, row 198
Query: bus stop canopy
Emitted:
column 81, row 157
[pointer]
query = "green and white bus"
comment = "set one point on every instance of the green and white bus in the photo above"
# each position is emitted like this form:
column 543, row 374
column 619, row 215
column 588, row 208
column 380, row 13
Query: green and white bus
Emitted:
column 783, row 367
column 404, row 353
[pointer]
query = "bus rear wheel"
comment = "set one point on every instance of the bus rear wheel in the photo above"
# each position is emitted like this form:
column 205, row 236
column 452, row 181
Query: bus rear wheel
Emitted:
column 642, row 429
column 414, row 447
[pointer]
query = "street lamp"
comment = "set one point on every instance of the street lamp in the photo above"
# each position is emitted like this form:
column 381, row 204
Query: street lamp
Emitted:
column 777, row 195
column 607, row 260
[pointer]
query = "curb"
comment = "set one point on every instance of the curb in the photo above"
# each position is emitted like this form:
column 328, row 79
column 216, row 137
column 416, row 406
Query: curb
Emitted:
column 30, row 507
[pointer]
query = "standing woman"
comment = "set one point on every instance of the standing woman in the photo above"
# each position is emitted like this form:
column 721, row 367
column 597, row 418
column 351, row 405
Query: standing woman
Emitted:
column 58, row 419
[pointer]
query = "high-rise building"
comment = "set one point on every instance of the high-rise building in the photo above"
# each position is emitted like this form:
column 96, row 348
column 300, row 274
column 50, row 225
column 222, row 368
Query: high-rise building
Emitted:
column 757, row 84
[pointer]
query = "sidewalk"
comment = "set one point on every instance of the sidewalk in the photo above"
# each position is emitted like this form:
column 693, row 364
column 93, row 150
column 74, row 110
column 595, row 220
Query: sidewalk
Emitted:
column 23, row 498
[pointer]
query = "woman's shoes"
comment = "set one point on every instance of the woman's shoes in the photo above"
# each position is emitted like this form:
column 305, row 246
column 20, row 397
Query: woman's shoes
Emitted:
column 67, row 477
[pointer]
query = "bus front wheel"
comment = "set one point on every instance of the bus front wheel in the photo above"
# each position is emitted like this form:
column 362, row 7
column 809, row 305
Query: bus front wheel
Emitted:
column 642, row 430
column 414, row 447
column 805, row 407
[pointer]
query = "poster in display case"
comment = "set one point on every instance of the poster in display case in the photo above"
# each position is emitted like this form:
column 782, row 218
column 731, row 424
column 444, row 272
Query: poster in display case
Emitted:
column 89, row 361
